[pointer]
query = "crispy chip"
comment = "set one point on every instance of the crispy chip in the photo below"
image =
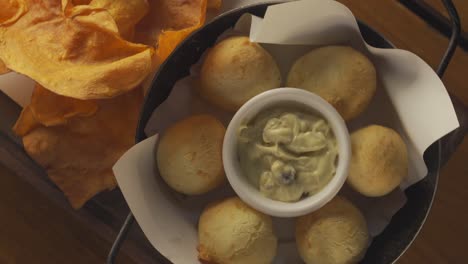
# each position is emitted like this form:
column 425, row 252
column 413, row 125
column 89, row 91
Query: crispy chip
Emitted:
column 79, row 155
column 11, row 10
column 177, row 18
column 72, row 50
column 84, row 14
column 126, row 13
column 178, row 15
column 168, row 40
column 81, row 2
column 26, row 122
column 51, row 109
column 171, row 15
column 76, row 51
column 149, row 28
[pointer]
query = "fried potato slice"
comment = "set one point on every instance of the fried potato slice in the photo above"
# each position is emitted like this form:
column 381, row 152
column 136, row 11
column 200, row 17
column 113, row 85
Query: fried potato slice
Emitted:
column 81, row 2
column 149, row 29
column 170, row 15
column 168, row 40
column 26, row 122
column 51, row 109
column 178, row 15
column 79, row 155
column 11, row 11
column 72, row 50
column 77, row 53
column 126, row 13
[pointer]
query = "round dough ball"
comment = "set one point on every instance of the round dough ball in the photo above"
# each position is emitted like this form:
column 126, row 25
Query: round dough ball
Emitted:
column 341, row 75
column 379, row 160
column 236, row 70
column 334, row 234
column 231, row 232
column 189, row 155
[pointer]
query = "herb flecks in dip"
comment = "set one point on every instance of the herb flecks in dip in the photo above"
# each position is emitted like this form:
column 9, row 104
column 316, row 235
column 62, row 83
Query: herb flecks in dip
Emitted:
column 287, row 153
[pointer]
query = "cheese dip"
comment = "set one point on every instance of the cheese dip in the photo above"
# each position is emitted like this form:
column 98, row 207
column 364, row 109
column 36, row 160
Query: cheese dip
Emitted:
column 288, row 153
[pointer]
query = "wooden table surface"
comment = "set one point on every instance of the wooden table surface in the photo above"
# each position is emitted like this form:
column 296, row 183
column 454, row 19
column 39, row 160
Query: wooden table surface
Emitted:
column 35, row 230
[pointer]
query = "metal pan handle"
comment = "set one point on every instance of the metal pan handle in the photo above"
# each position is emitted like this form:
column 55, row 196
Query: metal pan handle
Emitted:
column 121, row 236
column 450, row 142
column 454, row 38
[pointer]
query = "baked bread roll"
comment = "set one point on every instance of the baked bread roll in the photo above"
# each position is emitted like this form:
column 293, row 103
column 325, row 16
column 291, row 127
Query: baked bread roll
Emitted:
column 379, row 160
column 231, row 232
column 236, row 70
column 334, row 234
column 189, row 155
column 341, row 75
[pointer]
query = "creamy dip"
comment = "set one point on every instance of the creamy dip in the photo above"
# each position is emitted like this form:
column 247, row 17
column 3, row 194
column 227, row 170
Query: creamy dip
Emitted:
column 287, row 153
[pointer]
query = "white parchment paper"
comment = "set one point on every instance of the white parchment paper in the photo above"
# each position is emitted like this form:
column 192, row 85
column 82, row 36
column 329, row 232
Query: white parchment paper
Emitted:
column 18, row 87
column 410, row 98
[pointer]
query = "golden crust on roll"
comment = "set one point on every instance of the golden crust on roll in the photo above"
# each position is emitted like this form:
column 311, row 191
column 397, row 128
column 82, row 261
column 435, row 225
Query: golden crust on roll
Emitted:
column 236, row 70
column 339, row 74
column 379, row 161
column 189, row 155
column 334, row 234
column 231, row 232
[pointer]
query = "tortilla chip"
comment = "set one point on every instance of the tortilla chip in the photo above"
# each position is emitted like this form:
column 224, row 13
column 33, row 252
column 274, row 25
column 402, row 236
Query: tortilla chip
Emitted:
column 73, row 50
column 51, row 109
column 79, row 155
column 126, row 13
column 26, row 122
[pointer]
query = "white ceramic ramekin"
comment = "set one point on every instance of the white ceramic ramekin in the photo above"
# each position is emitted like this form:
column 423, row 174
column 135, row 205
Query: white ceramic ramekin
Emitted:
column 249, row 193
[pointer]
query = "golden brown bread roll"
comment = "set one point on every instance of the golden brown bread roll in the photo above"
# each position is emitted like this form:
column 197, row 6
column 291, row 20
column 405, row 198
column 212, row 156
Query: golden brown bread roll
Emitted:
column 334, row 234
column 339, row 74
column 379, row 160
column 189, row 155
column 236, row 70
column 231, row 232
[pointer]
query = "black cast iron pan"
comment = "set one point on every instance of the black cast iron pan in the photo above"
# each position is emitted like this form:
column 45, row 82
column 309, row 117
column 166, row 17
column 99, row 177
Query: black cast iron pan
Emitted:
column 405, row 225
